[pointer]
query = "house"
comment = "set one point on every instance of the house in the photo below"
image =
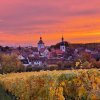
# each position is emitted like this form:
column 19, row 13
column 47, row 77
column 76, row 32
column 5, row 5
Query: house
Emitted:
column 37, row 61
column 59, row 53
column 24, row 60
column 54, row 61
column 44, row 52
column 35, row 51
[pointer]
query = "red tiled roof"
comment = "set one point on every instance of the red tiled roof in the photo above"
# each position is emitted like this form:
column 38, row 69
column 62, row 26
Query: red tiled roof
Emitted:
column 58, row 51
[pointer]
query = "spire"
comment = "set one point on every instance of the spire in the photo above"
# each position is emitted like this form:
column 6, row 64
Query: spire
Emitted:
column 62, row 42
column 40, row 38
column 40, row 41
column 62, row 38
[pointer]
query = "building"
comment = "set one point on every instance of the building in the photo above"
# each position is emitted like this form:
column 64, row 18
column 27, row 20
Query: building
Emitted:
column 24, row 60
column 37, row 60
column 62, row 45
column 40, row 44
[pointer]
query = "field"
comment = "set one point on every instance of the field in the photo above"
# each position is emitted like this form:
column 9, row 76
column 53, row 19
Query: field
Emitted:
column 53, row 85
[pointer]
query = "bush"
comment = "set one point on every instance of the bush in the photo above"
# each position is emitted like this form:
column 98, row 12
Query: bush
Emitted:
column 65, row 65
column 52, row 67
column 4, row 95
column 28, row 68
column 10, row 63
column 96, row 64
column 68, row 65
column 37, row 68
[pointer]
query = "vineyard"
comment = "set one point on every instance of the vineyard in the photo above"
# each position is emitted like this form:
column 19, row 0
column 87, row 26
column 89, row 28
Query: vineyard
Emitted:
column 53, row 85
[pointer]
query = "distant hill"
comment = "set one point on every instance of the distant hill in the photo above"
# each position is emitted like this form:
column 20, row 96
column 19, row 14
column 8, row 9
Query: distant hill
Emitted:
column 86, row 45
column 75, row 45
column 57, row 46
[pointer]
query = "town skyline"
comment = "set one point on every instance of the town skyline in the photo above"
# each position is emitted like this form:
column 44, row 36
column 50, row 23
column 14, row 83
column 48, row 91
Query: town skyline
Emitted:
column 35, row 43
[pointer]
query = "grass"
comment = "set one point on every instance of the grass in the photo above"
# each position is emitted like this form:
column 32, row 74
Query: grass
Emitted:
column 4, row 95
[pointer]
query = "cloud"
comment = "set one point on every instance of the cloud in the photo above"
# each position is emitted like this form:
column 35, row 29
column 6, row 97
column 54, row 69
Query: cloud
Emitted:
column 83, row 12
column 49, row 16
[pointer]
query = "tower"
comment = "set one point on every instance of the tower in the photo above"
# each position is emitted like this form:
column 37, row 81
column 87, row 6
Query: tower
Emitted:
column 62, row 45
column 40, row 44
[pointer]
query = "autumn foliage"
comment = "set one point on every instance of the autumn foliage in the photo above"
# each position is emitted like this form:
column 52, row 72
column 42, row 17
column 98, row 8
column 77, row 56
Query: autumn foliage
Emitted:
column 54, row 85
column 10, row 63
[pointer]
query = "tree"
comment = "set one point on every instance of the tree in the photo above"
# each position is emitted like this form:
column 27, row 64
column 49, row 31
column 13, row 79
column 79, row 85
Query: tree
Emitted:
column 85, row 57
column 96, row 64
column 10, row 63
column 86, row 61
column 60, row 65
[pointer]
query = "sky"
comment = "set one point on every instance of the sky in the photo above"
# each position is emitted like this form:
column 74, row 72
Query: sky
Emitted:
column 23, row 21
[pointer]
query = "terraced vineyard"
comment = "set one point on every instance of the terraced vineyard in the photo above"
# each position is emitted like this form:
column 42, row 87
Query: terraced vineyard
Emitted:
column 53, row 85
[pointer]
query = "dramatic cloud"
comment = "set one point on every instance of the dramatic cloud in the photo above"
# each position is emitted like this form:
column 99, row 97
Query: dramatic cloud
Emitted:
column 21, row 21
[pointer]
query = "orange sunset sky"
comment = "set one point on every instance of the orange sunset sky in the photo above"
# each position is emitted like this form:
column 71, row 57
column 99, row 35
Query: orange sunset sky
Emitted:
column 22, row 21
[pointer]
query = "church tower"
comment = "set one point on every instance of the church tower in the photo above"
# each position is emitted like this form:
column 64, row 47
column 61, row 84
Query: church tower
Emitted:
column 40, row 44
column 62, row 45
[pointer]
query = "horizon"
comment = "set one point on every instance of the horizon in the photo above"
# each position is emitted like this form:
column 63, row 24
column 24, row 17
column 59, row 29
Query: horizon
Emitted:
column 30, row 45
column 22, row 21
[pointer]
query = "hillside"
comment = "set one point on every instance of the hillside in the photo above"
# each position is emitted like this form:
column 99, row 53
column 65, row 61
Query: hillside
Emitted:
column 53, row 85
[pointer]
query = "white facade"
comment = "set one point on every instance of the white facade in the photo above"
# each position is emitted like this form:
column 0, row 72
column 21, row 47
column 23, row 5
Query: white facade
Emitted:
column 38, row 63
column 62, row 48
column 20, row 57
column 40, row 46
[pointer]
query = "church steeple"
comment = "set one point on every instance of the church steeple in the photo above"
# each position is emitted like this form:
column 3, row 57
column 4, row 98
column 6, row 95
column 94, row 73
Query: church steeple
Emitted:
column 40, row 41
column 62, row 41
column 62, row 38
column 40, row 44
column 62, row 45
column 40, row 38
